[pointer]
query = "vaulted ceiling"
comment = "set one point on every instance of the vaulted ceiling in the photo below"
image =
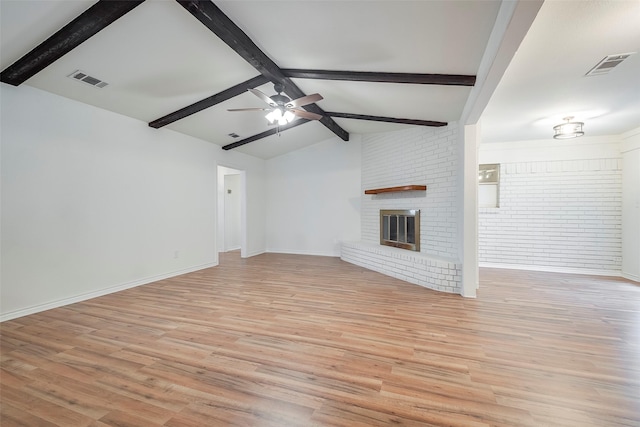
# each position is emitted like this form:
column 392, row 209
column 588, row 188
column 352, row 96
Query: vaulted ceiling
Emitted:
column 164, row 56
column 380, row 65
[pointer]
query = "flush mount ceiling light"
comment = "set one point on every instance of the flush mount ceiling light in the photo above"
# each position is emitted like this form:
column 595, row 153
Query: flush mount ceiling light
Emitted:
column 568, row 129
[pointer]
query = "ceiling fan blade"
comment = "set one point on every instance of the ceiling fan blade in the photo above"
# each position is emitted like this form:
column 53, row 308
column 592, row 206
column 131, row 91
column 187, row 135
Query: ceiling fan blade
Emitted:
column 262, row 96
column 306, row 114
column 249, row 109
column 305, row 100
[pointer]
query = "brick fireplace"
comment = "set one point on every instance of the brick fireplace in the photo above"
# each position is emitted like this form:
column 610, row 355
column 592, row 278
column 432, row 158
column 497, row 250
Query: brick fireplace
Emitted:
column 401, row 159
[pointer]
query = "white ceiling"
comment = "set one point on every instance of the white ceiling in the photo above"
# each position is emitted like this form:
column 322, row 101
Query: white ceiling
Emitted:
column 158, row 58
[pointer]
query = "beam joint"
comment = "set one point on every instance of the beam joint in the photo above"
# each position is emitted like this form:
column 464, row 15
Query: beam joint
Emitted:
column 223, row 27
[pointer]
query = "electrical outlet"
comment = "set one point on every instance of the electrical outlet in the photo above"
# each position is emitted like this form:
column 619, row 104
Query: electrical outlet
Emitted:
column 176, row 254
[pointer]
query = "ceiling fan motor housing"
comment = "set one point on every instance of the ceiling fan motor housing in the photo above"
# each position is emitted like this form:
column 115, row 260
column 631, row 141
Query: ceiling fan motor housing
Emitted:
column 281, row 100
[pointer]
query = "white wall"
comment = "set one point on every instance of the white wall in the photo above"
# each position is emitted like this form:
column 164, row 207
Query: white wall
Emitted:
column 467, row 205
column 232, row 212
column 93, row 202
column 253, row 186
column 222, row 172
column 630, row 148
column 560, row 206
column 314, row 198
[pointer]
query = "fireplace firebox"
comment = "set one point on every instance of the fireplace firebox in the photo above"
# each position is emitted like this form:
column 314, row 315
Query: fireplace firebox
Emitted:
column 400, row 229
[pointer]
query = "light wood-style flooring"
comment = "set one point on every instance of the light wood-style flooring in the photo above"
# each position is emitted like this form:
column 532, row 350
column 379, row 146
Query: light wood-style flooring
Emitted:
column 287, row 340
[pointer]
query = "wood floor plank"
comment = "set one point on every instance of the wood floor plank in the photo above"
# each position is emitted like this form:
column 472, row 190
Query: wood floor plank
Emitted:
column 290, row 340
column 12, row 416
column 41, row 408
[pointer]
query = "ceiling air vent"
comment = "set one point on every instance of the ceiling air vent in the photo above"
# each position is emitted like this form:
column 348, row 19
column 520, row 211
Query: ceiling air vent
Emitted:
column 608, row 63
column 84, row 77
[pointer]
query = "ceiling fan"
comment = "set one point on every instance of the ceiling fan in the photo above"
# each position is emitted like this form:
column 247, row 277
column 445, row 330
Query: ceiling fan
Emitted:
column 282, row 108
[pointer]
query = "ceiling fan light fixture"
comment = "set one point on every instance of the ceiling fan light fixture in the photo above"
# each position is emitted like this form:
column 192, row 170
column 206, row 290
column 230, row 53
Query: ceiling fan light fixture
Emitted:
column 270, row 117
column 282, row 109
column 568, row 129
column 289, row 116
column 274, row 115
column 277, row 115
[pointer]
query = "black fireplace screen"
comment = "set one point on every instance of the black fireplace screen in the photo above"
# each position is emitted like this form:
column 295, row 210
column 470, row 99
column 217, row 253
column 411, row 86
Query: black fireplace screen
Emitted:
column 400, row 228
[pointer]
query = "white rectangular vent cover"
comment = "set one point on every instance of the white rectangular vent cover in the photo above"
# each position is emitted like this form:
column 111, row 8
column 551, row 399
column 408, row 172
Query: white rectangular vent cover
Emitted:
column 84, row 77
column 608, row 63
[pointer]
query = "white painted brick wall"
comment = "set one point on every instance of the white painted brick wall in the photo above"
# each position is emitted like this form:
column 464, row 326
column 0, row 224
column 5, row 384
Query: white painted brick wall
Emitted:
column 416, row 155
column 413, row 156
column 558, row 214
column 413, row 267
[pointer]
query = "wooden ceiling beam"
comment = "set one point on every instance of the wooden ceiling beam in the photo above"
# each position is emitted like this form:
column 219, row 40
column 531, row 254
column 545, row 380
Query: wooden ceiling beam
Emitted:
column 339, row 115
column 223, row 27
column 87, row 24
column 366, row 76
column 209, row 102
column 387, row 119
column 265, row 134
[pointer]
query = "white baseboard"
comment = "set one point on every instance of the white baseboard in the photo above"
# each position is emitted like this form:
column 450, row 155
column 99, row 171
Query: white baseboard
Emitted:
column 256, row 253
column 632, row 277
column 94, row 294
column 550, row 269
column 298, row 252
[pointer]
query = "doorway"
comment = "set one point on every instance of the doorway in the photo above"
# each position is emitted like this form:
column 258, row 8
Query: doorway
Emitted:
column 231, row 210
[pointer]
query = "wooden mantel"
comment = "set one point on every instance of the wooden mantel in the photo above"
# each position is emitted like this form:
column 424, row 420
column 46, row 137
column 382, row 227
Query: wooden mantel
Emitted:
column 396, row 189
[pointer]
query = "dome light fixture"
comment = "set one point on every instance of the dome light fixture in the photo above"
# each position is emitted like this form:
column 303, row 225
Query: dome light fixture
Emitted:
column 568, row 129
